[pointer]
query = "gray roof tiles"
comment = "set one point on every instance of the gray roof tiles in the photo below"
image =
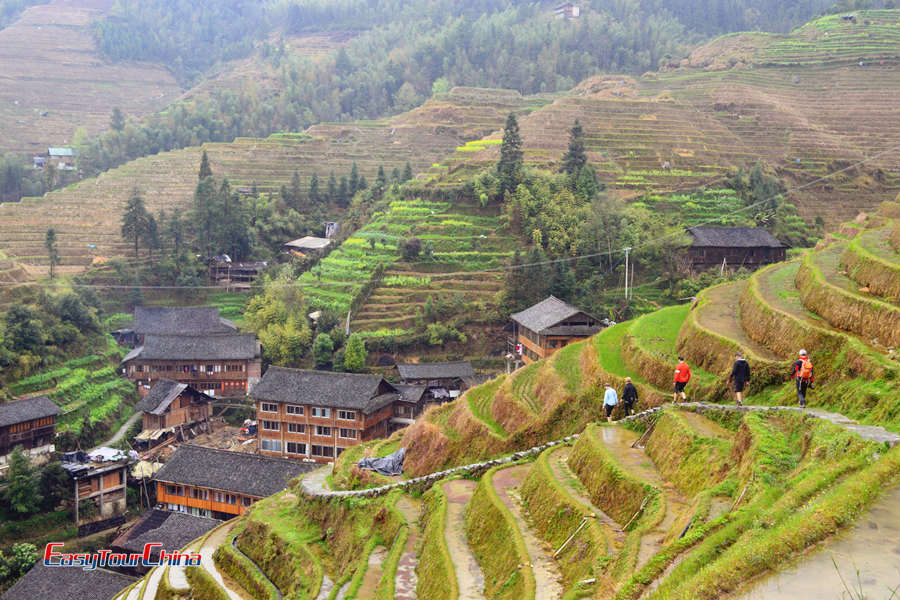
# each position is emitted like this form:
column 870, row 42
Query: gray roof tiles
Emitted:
column 733, row 237
column 71, row 583
column 322, row 388
column 166, row 320
column 19, row 411
column 234, row 346
column 173, row 530
column 162, row 394
column 446, row 370
column 544, row 314
column 235, row 472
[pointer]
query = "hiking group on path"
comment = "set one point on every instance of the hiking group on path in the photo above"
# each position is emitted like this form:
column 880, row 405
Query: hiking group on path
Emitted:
column 801, row 373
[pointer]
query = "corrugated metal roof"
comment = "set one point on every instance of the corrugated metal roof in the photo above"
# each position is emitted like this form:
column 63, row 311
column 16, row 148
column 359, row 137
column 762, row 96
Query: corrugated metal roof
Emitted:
column 61, row 151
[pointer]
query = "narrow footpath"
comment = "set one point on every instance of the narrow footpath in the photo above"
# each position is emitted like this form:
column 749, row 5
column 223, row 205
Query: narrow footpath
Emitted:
column 469, row 578
column 405, row 579
column 547, row 577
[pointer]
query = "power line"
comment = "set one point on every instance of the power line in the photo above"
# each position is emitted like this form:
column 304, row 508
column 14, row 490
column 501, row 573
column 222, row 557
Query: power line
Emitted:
column 647, row 243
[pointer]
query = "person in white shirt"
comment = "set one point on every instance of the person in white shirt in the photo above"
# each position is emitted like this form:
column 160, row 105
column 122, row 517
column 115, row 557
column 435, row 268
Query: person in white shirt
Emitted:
column 610, row 399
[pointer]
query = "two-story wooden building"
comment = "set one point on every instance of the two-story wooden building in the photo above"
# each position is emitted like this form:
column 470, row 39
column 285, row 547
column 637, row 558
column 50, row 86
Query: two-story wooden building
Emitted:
column 549, row 325
column 170, row 404
column 413, row 401
column 319, row 414
column 217, row 365
column 100, row 479
column 208, row 482
column 29, row 423
column 733, row 248
column 444, row 381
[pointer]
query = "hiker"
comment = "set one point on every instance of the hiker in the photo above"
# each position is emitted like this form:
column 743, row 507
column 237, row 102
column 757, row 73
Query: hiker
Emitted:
column 740, row 376
column 629, row 396
column 610, row 399
column 682, row 376
column 803, row 376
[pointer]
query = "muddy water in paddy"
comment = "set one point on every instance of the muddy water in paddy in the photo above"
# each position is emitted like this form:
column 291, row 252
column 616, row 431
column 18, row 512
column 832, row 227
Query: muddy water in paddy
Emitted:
column 618, row 441
column 469, row 577
column 872, row 547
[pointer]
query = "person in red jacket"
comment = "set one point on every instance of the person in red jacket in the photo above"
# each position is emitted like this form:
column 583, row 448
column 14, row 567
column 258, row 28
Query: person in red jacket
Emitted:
column 802, row 374
column 682, row 376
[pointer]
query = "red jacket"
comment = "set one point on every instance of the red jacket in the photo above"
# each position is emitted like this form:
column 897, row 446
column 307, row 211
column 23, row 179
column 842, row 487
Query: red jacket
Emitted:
column 682, row 373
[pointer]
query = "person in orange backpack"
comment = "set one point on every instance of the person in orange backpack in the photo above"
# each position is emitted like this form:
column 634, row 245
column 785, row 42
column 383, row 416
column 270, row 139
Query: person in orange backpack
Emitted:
column 803, row 376
column 682, row 376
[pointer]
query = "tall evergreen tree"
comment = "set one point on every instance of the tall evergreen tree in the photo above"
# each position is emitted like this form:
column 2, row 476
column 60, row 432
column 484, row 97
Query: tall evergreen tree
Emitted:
column 52, row 250
column 509, row 169
column 150, row 235
column 343, row 192
column 117, row 121
column 355, row 356
column 586, row 187
column 332, row 188
column 21, row 494
column 295, row 191
column 380, row 179
column 205, row 170
column 354, row 179
column 205, row 214
column 134, row 221
column 407, row 172
column 314, row 193
column 575, row 157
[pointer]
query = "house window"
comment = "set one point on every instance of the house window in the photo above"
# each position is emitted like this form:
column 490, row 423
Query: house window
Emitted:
column 234, row 368
column 324, row 431
column 218, row 496
column 268, row 407
column 326, row 451
column 296, row 428
column 347, row 415
column 217, row 369
column 296, row 448
column 324, row 413
column 246, row 501
column 230, row 499
column 349, row 434
column 270, row 445
column 293, row 409
column 271, row 425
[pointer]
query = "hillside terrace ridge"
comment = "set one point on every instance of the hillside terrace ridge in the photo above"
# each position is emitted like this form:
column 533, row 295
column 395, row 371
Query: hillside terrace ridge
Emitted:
column 313, row 484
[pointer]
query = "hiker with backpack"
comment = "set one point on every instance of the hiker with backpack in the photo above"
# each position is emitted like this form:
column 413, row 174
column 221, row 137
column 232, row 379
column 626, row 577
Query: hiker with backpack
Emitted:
column 682, row 376
column 610, row 399
column 629, row 396
column 803, row 375
column 740, row 376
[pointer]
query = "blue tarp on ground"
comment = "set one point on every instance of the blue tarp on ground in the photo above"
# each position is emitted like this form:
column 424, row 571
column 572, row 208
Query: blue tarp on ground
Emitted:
column 392, row 464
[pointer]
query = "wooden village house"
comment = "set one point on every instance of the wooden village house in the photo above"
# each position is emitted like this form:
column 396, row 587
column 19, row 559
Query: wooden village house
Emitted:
column 100, row 479
column 549, row 325
column 443, row 381
column 208, row 482
column 29, row 423
column 170, row 405
column 217, row 365
column 319, row 414
column 61, row 158
column 733, row 248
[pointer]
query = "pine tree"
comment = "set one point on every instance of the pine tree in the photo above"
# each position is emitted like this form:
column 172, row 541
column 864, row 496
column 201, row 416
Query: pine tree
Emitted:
column 117, row 121
column 314, row 194
column 363, row 184
column 354, row 179
column 52, row 250
column 575, row 157
column 205, row 213
column 343, row 192
column 332, row 188
column 205, row 170
column 134, row 221
column 295, row 191
column 380, row 179
column 509, row 169
column 407, row 172
column 586, row 187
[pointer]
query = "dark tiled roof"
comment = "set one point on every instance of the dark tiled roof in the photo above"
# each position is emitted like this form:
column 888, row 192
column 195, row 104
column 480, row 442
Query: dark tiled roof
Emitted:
column 236, row 472
column 235, row 346
column 411, row 393
column 320, row 388
column 171, row 529
column 160, row 396
column 733, row 237
column 70, row 583
column 572, row 330
column 544, row 314
column 446, row 370
column 165, row 320
column 19, row 411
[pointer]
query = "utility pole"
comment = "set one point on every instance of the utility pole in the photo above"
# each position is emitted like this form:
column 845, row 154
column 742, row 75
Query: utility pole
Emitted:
column 627, row 250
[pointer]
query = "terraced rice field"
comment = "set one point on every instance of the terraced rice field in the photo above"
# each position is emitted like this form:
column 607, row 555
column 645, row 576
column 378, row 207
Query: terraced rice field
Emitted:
column 55, row 80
